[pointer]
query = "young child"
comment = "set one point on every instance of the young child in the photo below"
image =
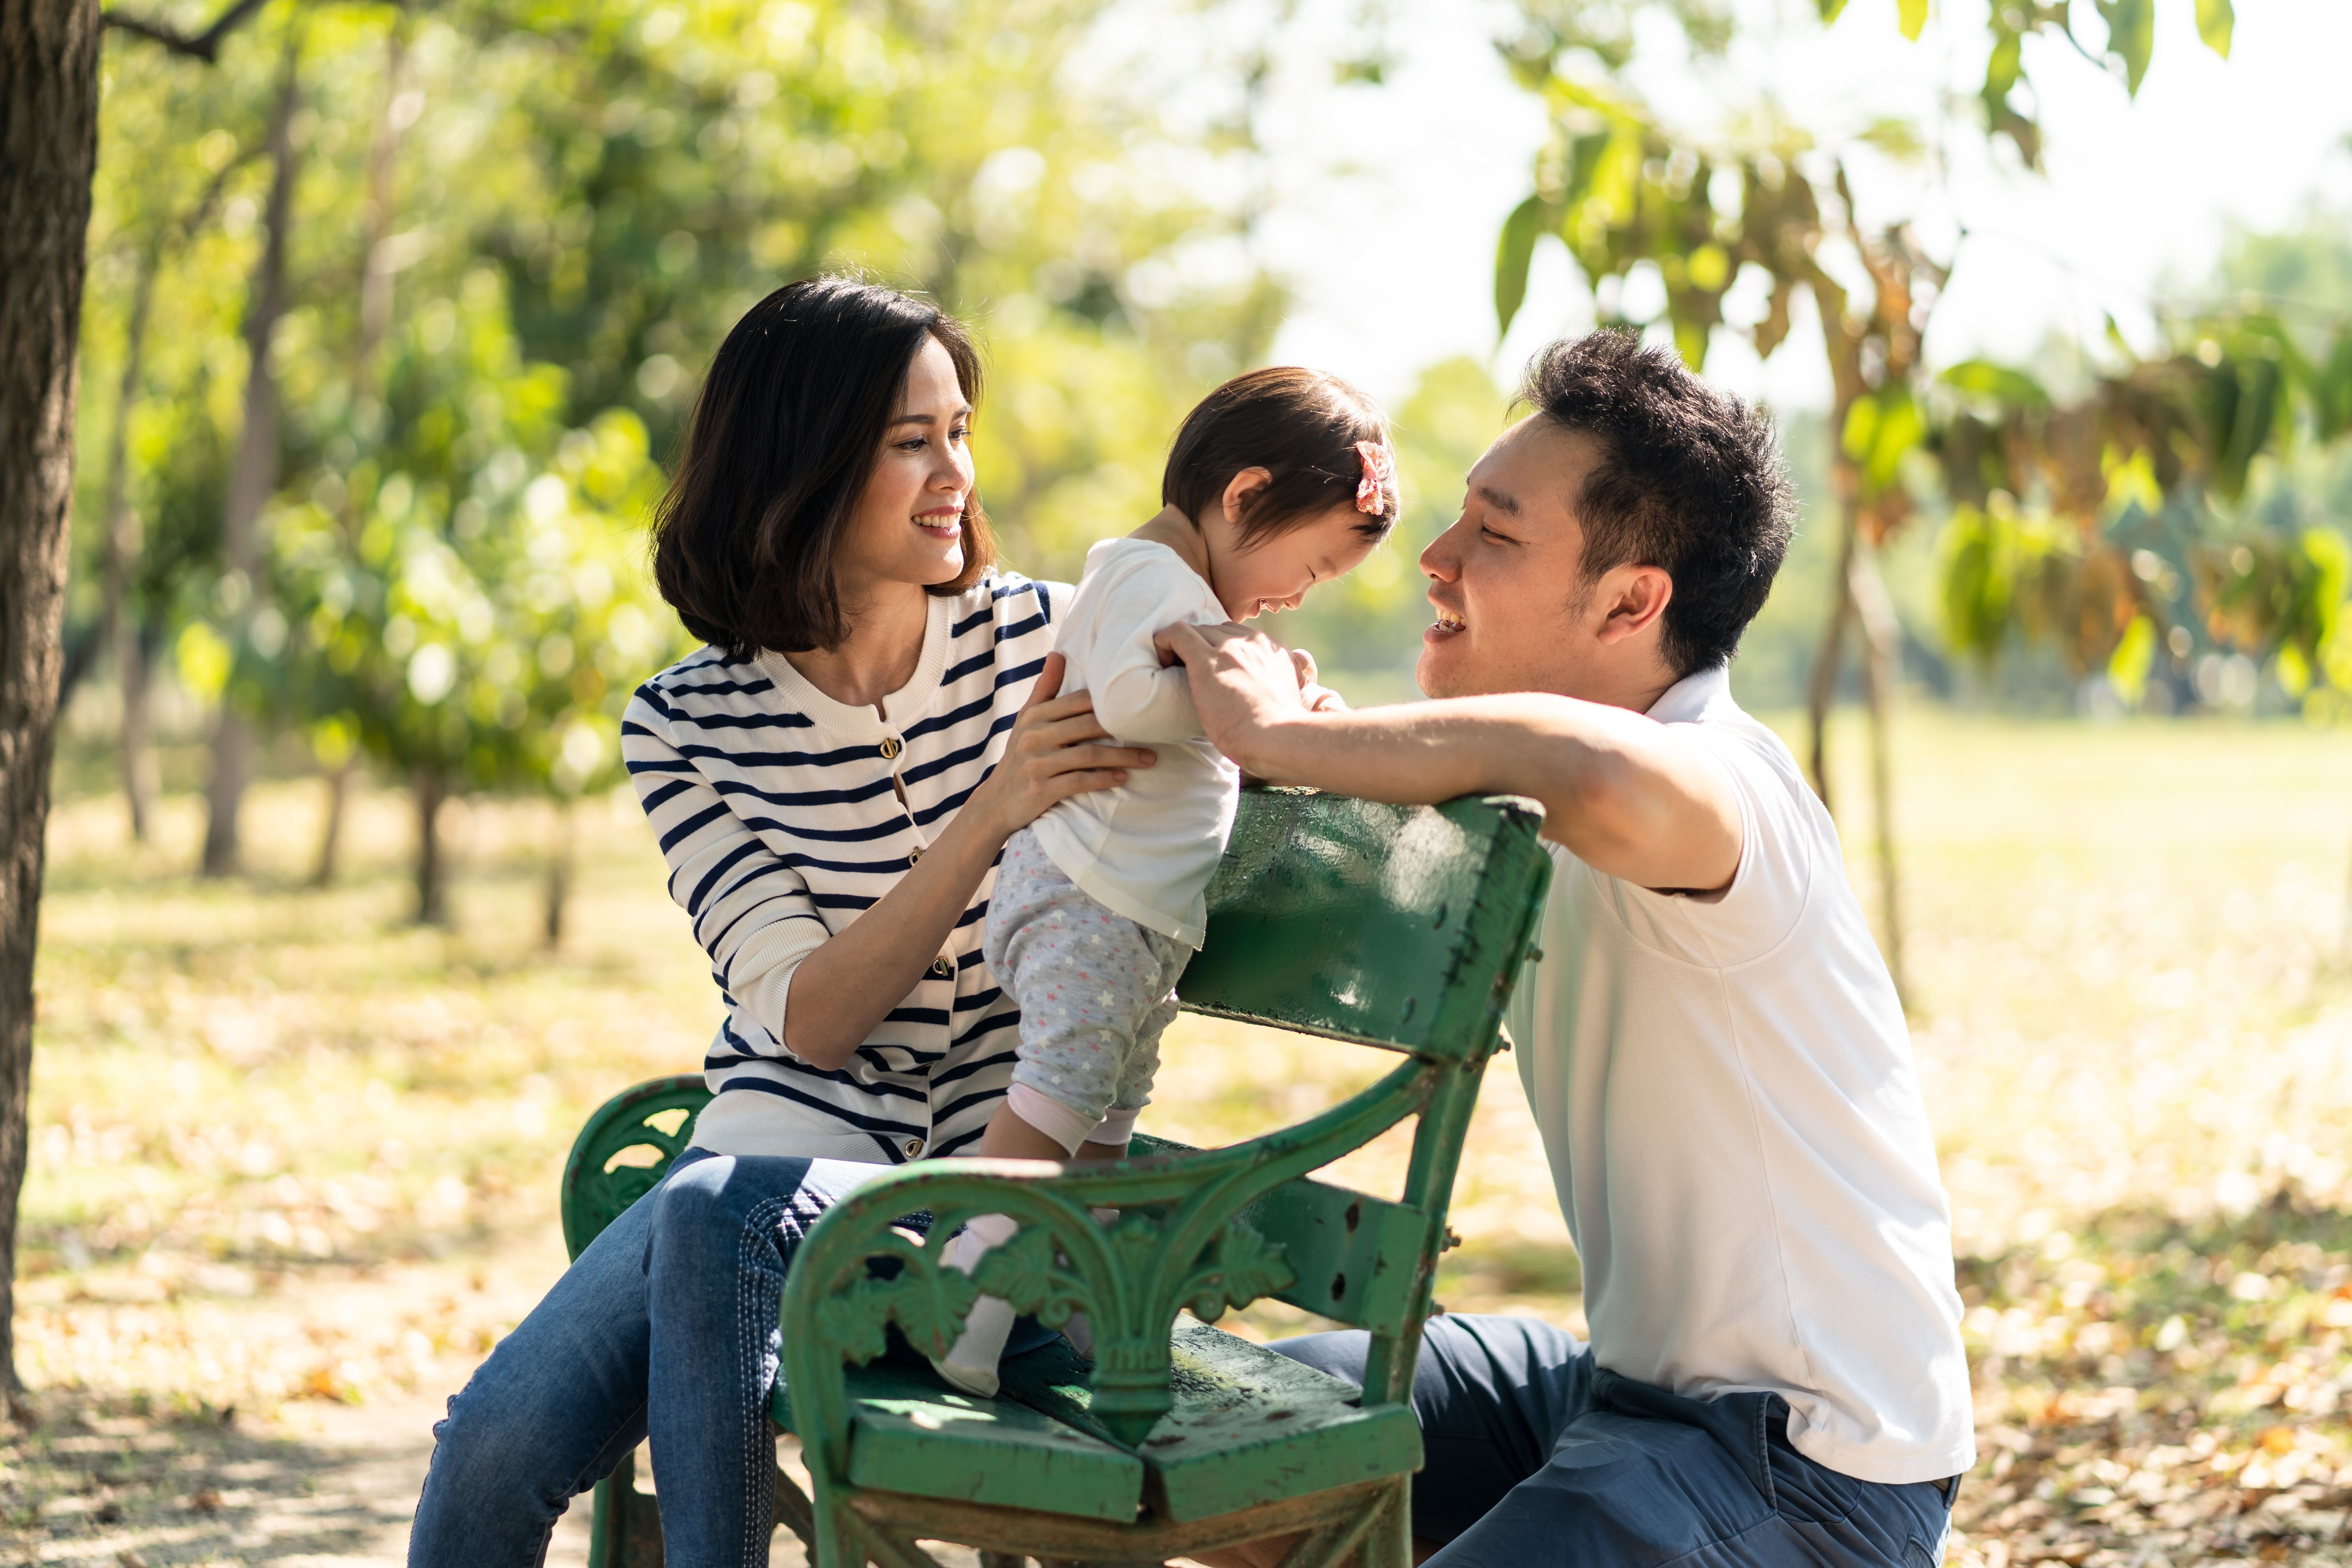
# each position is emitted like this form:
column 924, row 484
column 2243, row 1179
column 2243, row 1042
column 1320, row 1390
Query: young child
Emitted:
column 1280, row 479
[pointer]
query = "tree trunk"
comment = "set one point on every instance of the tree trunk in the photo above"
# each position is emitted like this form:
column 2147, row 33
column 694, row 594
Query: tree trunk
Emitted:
column 432, row 890
column 118, row 630
column 253, row 480
column 1881, row 675
column 375, row 315
column 560, row 860
column 48, row 153
column 1820, row 690
column 330, row 835
column 140, row 786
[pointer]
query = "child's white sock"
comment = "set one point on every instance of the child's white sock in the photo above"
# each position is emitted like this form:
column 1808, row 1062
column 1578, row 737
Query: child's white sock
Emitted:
column 970, row 1362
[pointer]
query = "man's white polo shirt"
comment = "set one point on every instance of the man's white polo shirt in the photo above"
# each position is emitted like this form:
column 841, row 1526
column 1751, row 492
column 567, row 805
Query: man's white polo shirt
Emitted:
column 1725, row 1091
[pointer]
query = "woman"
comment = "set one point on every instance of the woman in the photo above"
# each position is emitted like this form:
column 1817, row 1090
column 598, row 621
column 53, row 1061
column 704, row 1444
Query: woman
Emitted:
column 831, row 782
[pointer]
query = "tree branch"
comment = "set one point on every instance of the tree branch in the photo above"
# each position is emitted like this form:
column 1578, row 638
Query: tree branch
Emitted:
column 203, row 46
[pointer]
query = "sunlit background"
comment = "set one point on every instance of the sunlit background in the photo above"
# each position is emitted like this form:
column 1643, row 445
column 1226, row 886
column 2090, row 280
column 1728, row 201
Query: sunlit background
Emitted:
column 349, row 922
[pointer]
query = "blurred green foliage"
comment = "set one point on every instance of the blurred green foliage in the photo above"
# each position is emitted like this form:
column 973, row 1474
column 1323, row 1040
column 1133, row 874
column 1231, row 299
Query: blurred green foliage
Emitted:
column 519, row 231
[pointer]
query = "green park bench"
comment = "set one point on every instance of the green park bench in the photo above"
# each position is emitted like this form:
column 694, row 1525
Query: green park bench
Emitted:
column 1391, row 926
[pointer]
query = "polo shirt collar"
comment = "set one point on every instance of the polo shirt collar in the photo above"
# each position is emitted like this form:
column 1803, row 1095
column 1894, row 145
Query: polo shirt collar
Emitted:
column 1695, row 696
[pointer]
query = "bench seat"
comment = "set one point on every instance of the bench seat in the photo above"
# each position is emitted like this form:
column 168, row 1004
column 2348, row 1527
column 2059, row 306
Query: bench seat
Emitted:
column 1248, row 1426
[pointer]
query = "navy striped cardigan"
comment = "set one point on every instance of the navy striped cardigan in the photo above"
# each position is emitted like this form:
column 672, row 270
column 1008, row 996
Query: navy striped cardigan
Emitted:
column 782, row 815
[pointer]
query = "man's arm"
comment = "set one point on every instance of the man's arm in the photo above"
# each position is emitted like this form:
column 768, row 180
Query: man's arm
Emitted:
column 1624, row 794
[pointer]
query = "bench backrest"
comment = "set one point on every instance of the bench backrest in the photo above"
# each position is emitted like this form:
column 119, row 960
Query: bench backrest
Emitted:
column 1391, row 925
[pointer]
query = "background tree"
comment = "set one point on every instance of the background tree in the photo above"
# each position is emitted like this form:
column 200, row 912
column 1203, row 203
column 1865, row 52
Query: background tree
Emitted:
column 1701, row 209
column 575, row 202
column 2159, row 517
column 48, row 147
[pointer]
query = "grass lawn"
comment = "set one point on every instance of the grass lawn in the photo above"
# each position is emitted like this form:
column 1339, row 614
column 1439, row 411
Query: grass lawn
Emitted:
column 292, row 1155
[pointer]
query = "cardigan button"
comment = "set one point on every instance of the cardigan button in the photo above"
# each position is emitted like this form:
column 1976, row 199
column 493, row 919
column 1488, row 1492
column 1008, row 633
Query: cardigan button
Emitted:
column 891, row 747
column 914, row 854
column 914, row 1147
column 943, row 969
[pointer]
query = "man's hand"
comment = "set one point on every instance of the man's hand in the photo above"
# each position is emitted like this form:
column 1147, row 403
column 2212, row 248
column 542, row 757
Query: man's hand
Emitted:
column 1244, row 684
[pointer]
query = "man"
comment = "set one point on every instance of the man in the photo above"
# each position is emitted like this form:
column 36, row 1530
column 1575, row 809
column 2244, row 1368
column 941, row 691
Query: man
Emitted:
column 1711, row 1045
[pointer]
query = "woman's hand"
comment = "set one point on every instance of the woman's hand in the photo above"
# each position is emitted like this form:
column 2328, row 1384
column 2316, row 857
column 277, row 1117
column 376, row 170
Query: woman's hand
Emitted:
column 1056, row 750
column 840, row 992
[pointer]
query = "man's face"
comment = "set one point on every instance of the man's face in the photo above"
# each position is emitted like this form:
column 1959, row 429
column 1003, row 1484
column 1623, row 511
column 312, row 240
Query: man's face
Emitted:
column 1507, row 579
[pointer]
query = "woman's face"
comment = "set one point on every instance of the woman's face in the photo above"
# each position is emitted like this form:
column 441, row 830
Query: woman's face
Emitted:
column 908, row 525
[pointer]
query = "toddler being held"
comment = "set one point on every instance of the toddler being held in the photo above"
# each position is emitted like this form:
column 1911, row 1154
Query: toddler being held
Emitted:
column 1280, row 479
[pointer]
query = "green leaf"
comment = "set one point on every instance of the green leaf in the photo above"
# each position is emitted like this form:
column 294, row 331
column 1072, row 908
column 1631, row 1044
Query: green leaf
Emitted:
column 1997, row 384
column 1830, row 10
column 2004, row 65
column 2129, row 666
column 1513, row 256
column 1583, row 158
column 2215, row 18
column 2131, row 37
column 1900, row 428
column 2330, row 387
column 1690, row 342
column 2328, row 557
column 1896, row 137
column 1976, row 586
column 1878, row 431
column 1911, row 15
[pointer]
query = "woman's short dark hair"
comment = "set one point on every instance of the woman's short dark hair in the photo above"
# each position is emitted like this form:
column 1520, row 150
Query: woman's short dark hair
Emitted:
column 788, row 426
column 1690, row 480
column 1302, row 427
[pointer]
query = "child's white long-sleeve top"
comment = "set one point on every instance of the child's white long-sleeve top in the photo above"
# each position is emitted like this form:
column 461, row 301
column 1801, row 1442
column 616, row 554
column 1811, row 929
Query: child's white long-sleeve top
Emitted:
column 1147, row 848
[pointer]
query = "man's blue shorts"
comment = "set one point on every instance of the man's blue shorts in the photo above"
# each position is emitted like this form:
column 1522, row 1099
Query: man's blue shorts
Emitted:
column 1537, row 1459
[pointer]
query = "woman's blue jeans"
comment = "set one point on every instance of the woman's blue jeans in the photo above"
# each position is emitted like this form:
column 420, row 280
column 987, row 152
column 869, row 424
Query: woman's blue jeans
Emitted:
column 665, row 1329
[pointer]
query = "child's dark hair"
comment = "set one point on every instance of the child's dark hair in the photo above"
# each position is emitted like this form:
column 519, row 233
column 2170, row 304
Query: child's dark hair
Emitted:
column 785, row 432
column 1302, row 427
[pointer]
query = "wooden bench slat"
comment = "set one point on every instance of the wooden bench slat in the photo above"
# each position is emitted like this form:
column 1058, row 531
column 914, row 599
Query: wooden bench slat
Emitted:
column 1248, row 1426
column 911, row 1433
column 1062, row 1539
column 1252, row 1426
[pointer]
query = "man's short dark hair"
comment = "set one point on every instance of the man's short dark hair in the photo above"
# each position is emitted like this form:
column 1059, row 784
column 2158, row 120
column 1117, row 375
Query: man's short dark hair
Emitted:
column 1690, row 480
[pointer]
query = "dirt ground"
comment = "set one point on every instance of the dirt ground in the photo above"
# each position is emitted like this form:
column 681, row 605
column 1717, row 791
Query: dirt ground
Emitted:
column 328, row 1477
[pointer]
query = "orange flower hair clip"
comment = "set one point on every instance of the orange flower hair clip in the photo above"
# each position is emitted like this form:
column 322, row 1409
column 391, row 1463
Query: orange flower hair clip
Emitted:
column 1379, row 476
